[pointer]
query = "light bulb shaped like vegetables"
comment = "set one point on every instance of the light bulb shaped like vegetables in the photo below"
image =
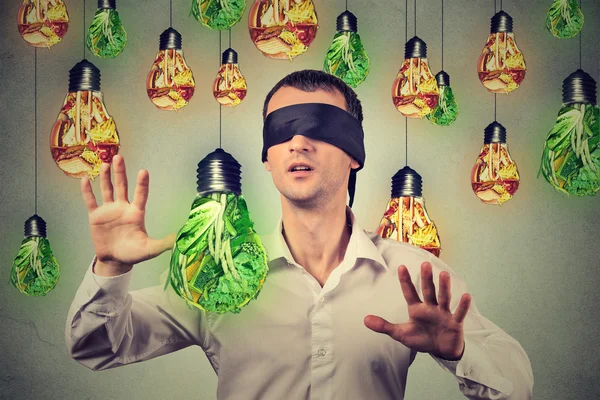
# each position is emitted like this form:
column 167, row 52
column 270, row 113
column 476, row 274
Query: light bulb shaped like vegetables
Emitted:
column 170, row 83
column 414, row 91
column 571, row 156
column 218, row 262
column 43, row 23
column 282, row 29
column 446, row 110
column 229, row 87
column 405, row 218
column 84, row 134
column 346, row 57
column 35, row 271
column 106, row 36
column 494, row 177
column 501, row 66
column 218, row 14
column 564, row 19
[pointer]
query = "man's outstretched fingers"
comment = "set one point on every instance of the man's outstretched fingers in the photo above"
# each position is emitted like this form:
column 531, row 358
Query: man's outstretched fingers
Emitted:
column 120, row 178
column 140, row 196
column 106, row 186
column 463, row 308
column 444, row 295
column 408, row 289
column 427, row 285
column 88, row 195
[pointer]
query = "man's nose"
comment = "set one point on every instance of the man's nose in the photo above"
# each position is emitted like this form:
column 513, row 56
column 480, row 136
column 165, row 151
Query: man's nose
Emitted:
column 300, row 144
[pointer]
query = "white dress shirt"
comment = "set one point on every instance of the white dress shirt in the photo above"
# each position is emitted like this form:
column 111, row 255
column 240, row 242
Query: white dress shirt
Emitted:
column 297, row 340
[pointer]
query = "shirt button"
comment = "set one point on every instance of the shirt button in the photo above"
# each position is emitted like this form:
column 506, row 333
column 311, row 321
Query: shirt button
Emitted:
column 322, row 352
column 468, row 371
column 321, row 300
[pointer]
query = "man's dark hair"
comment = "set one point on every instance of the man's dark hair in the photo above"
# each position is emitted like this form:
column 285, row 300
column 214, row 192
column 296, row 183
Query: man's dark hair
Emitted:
column 310, row 80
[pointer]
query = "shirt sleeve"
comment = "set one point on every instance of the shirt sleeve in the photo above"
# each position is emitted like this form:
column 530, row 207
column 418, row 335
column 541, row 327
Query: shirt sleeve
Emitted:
column 493, row 365
column 109, row 326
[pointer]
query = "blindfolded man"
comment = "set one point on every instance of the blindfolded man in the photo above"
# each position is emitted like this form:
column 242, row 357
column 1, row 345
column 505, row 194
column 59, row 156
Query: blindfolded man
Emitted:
column 342, row 313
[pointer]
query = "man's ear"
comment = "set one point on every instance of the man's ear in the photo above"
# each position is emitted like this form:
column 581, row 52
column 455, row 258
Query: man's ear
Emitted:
column 267, row 166
column 353, row 163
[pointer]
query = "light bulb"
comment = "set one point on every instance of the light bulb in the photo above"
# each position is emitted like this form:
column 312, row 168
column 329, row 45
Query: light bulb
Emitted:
column 35, row 271
column 564, row 19
column 43, row 23
column 571, row 156
column 346, row 57
column 446, row 109
column 415, row 92
column 218, row 262
column 405, row 218
column 229, row 87
column 495, row 177
column 282, row 29
column 218, row 15
column 501, row 65
column 84, row 134
column 170, row 83
column 106, row 37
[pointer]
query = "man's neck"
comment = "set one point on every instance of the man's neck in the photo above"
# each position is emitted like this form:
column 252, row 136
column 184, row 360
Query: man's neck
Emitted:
column 317, row 238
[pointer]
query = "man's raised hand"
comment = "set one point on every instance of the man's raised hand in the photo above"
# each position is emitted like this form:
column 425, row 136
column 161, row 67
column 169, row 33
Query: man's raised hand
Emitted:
column 431, row 328
column 117, row 227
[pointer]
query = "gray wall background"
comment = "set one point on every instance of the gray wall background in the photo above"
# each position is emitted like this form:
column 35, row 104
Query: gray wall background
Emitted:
column 532, row 264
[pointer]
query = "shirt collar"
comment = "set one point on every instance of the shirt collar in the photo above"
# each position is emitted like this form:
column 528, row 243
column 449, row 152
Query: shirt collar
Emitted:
column 363, row 245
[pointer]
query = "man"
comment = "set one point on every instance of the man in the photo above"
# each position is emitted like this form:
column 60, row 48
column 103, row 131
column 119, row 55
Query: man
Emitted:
column 339, row 316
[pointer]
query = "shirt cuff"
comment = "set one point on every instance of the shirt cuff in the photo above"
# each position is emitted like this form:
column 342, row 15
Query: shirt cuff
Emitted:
column 104, row 295
column 476, row 366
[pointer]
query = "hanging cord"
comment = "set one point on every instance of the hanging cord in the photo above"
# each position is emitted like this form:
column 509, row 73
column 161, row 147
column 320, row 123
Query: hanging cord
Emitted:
column 580, row 33
column 415, row 17
column 84, row 29
column 495, row 10
column 220, row 106
column 35, row 119
column 442, row 35
column 229, row 37
column 171, row 13
column 346, row 5
column 406, row 118
column 495, row 106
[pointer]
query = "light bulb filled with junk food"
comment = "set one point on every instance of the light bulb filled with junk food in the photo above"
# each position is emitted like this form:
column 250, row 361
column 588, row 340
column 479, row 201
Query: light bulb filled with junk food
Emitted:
column 170, row 83
column 35, row 270
column 218, row 14
column 43, row 23
column 106, row 36
column 564, row 19
column 405, row 218
column 346, row 58
column 571, row 155
column 446, row 109
column 229, row 87
column 84, row 134
column 501, row 66
column 415, row 92
column 218, row 262
column 494, row 177
column 282, row 29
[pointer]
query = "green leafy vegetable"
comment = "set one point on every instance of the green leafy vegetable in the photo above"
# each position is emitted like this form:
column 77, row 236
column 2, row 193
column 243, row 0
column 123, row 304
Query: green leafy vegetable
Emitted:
column 218, row 14
column 347, row 59
column 218, row 262
column 571, row 156
column 35, row 271
column 446, row 110
column 106, row 37
column 564, row 19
